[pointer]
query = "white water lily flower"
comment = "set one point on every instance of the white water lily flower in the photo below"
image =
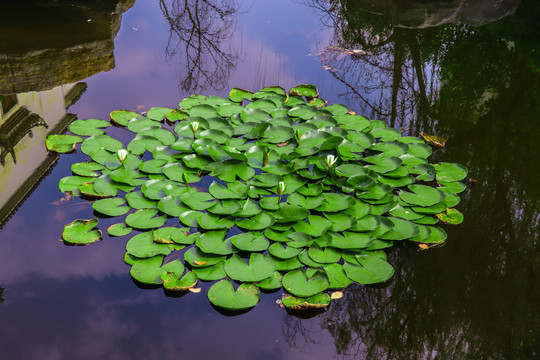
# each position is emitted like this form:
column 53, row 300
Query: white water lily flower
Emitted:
column 122, row 155
column 195, row 126
column 330, row 160
column 281, row 188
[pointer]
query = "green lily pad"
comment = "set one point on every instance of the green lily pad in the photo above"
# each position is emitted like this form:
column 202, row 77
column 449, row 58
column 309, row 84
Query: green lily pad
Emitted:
column 111, row 207
column 223, row 295
column 448, row 172
column 336, row 276
column 422, row 195
column 307, row 90
column 250, row 241
column 119, row 229
column 211, row 273
column 280, row 251
column 297, row 283
column 80, row 232
column 452, row 216
column 368, row 270
column 62, row 143
column 313, row 302
column 149, row 271
column 259, row 268
column 171, row 282
column 145, row 219
column 143, row 246
column 88, row 127
column 86, row 169
column 122, row 117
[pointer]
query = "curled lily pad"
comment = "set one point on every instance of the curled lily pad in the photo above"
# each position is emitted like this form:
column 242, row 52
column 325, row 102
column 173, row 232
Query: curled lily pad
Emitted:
column 81, row 232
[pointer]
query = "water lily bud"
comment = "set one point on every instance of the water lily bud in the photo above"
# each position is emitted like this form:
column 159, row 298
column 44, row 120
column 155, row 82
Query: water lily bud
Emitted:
column 122, row 155
column 280, row 187
column 330, row 160
column 298, row 135
column 195, row 126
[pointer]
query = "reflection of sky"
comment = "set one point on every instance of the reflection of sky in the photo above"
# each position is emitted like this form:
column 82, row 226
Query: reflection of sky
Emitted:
column 66, row 302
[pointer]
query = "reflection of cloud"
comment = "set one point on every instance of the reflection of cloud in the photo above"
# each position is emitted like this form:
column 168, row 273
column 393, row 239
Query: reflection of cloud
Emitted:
column 30, row 246
column 102, row 331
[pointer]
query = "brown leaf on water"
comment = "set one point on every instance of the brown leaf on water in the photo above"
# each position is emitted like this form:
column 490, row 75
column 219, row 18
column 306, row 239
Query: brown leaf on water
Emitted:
column 423, row 246
column 336, row 295
column 195, row 290
column 434, row 140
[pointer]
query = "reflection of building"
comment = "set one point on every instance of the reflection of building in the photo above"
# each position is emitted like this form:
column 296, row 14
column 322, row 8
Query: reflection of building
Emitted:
column 53, row 45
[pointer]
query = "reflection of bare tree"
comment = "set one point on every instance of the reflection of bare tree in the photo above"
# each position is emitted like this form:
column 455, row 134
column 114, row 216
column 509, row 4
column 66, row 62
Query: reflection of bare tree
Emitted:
column 381, row 66
column 198, row 29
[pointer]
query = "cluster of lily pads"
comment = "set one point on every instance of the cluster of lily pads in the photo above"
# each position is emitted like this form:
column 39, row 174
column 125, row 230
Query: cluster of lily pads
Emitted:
column 267, row 189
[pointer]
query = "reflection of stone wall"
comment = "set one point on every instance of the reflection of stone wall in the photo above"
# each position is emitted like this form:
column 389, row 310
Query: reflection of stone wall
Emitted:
column 56, row 42
column 45, row 69
column 422, row 14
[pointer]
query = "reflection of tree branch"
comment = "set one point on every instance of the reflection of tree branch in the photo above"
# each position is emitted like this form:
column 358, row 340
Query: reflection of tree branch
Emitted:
column 199, row 28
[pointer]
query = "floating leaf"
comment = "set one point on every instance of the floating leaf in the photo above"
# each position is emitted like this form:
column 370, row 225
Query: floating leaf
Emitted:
column 119, row 230
column 88, row 127
column 122, row 117
column 297, row 283
column 313, row 302
column 452, row 216
column 144, row 219
column 62, row 143
column 111, row 207
column 223, row 294
column 259, row 268
column 368, row 270
column 80, row 232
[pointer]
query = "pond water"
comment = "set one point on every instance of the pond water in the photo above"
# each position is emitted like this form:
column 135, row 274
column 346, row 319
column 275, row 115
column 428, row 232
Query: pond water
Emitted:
column 465, row 70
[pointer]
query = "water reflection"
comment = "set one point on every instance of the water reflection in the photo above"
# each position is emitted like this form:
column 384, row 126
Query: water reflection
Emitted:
column 199, row 30
column 418, row 14
column 474, row 298
column 52, row 47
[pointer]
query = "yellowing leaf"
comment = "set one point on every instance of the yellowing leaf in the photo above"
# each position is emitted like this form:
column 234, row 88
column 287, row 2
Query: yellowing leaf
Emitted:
column 336, row 295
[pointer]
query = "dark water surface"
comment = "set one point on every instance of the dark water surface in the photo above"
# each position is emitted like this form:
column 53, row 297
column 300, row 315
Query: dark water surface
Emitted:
column 465, row 70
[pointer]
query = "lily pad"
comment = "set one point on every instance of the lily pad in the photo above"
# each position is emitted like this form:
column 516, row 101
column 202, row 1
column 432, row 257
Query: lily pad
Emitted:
column 299, row 284
column 81, row 232
column 368, row 270
column 223, row 295
column 62, row 143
